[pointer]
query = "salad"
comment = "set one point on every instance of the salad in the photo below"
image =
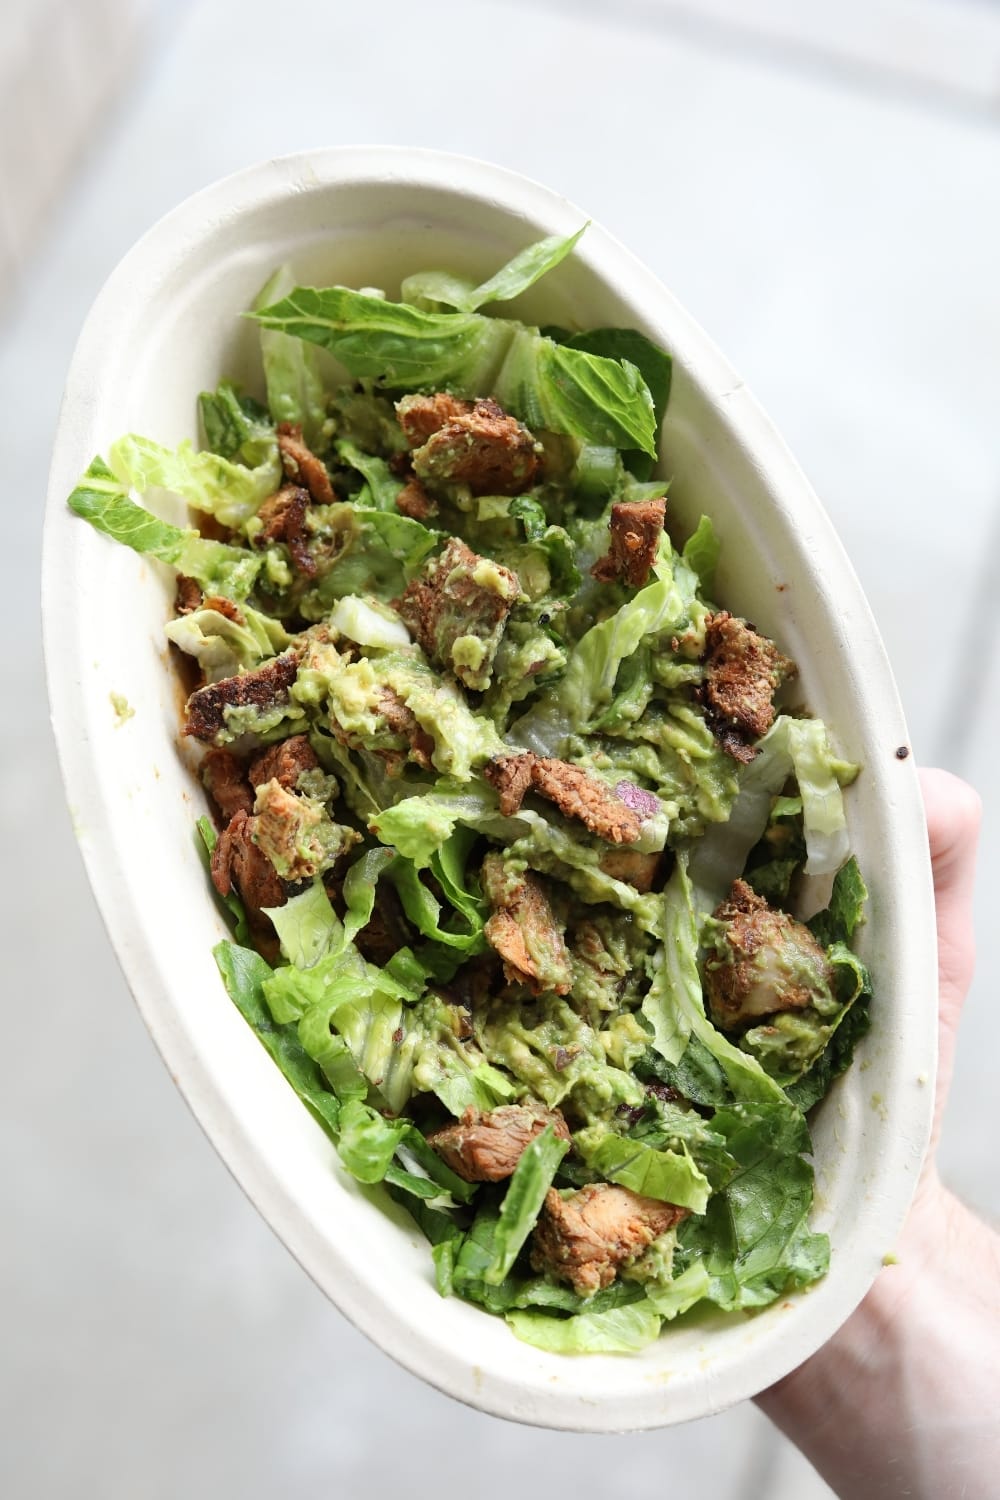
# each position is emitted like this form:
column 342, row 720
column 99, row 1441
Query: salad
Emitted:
column 507, row 818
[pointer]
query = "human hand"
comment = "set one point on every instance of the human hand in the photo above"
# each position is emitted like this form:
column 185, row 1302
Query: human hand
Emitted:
column 903, row 1399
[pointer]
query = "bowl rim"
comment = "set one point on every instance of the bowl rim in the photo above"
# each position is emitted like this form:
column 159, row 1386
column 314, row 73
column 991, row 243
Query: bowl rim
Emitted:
column 165, row 244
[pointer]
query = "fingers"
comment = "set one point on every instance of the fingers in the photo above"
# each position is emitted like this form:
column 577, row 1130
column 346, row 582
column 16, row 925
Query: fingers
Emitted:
column 953, row 811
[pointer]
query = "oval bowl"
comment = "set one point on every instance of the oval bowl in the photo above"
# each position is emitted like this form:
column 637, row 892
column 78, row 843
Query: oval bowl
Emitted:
column 166, row 325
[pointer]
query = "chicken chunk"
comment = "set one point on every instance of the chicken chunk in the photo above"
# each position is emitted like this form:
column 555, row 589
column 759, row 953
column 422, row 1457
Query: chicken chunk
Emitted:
column 638, row 870
column 296, row 833
column 483, row 448
column 743, row 670
column 575, row 791
column 760, row 961
column 265, row 687
column 636, row 528
column 236, row 860
column 284, row 518
column 512, row 775
column 458, row 609
column 283, row 762
column 487, row 1147
column 585, row 1239
column 401, row 720
column 188, row 595
column 302, row 466
column 523, row 929
column 223, row 606
column 421, row 416
column 225, row 779
column 414, row 501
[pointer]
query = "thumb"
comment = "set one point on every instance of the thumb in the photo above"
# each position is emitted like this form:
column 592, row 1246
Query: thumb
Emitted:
column 953, row 812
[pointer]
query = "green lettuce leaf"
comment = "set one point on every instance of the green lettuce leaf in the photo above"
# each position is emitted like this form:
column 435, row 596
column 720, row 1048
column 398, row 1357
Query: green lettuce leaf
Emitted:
column 754, row 1240
column 291, row 369
column 675, row 1007
column 230, row 492
column 701, row 552
column 236, row 426
column 845, row 909
column 102, row 499
column 621, row 1330
column 531, row 1180
column 791, row 747
column 558, row 389
column 425, row 911
column 405, row 349
column 527, row 267
column 653, row 363
column 588, row 685
column 676, row 1296
column 222, row 646
column 307, row 926
column 382, row 485
column 835, row 1058
column 367, row 1142
column 244, row 974
column 456, row 1071
column 671, row 1176
column 383, row 551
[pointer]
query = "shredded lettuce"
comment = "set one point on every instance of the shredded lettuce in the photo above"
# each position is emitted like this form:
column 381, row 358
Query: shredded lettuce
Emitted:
column 791, row 747
column 102, row 499
column 525, row 1195
column 229, row 491
column 620, row 1330
column 671, row 1176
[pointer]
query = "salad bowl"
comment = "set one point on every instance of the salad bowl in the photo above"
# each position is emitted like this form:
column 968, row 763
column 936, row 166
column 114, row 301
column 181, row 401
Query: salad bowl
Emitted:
column 166, row 325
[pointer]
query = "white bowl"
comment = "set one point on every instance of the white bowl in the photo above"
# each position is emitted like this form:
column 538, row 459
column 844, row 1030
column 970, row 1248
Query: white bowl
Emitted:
column 167, row 325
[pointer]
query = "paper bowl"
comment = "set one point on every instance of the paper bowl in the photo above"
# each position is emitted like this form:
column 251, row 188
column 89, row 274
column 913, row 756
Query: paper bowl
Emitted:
column 166, row 326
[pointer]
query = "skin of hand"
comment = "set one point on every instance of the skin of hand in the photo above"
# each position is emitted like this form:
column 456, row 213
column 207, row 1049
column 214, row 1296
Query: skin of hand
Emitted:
column 905, row 1399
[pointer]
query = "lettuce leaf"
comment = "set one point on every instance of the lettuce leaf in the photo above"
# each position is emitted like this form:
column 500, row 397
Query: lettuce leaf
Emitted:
column 291, row 369
column 676, row 1296
column 222, row 646
column 381, row 485
column 244, row 973
column 531, row 1180
column 367, row 1142
column 403, row 348
column 791, row 747
column 754, row 1241
column 701, row 552
column 674, row 1005
column 307, row 926
column 587, row 687
column 229, row 491
column 671, row 1176
column 236, row 426
column 653, row 363
column 527, row 267
column 621, row 1330
column 103, row 500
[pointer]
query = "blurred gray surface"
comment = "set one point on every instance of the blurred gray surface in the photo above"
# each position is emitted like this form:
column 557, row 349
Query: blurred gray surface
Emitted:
column 842, row 248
